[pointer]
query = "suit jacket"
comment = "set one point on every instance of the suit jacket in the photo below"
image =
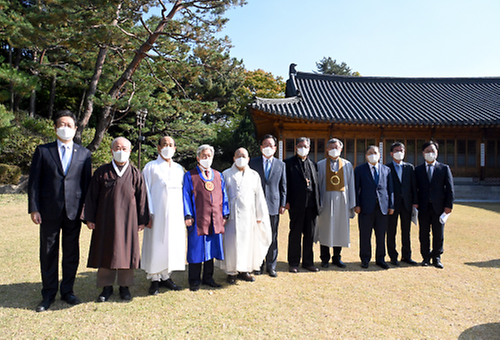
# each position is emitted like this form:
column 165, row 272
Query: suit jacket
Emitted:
column 275, row 186
column 405, row 191
column 50, row 190
column 297, row 185
column 439, row 191
column 367, row 192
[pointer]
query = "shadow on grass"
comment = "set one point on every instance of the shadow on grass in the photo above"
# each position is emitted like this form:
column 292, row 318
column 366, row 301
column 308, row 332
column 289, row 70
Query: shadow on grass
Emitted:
column 485, row 264
column 486, row 331
column 350, row 267
column 492, row 206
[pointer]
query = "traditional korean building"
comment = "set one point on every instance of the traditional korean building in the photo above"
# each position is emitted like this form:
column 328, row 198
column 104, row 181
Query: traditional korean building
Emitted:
column 461, row 114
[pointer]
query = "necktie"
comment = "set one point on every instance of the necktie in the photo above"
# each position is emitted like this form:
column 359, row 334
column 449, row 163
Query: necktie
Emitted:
column 400, row 172
column 65, row 153
column 375, row 174
column 267, row 169
column 429, row 172
column 207, row 174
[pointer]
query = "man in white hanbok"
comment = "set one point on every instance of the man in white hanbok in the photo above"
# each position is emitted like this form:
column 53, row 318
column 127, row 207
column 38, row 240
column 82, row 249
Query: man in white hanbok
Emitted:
column 248, row 233
column 337, row 202
column 164, row 243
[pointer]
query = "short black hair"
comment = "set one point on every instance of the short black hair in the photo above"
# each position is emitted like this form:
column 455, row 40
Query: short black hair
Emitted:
column 396, row 144
column 267, row 137
column 429, row 143
column 64, row 113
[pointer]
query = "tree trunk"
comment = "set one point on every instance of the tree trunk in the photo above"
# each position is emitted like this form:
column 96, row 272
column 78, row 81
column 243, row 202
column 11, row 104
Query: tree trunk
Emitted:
column 52, row 96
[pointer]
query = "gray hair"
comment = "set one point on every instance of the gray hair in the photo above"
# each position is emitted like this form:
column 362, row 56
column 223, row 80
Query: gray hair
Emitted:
column 117, row 138
column 303, row 139
column 335, row 140
column 204, row 147
column 372, row 147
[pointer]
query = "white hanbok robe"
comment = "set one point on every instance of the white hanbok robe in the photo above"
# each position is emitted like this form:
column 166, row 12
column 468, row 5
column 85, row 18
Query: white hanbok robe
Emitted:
column 245, row 241
column 336, row 208
column 164, row 245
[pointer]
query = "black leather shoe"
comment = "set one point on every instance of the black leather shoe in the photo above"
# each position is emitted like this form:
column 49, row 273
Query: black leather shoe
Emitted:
column 293, row 269
column 383, row 264
column 105, row 294
column 169, row 283
column 339, row 263
column 260, row 271
column 194, row 287
column 211, row 283
column 246, row 277
column 154, row 289
column 71, row 299
column 125, row 294
column 272, row 273
column 231, row 279
column 395, row 262
column 409, row 261
column 426, row 263
column 324, row 264
column 44, row 305
column 437, row 263
column 364, row 265
column 311, row 268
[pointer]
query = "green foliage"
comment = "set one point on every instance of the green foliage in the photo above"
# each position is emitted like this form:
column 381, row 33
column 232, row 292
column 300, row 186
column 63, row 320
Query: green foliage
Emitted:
column 5, row 122
column 103, row 154
column 330, row 66
column 9, row 174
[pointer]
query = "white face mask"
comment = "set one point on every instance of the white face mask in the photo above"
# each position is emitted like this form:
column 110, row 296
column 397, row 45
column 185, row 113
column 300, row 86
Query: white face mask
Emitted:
column 268, row 151
column 302, row 152
column 399, row 156
column 65, row 133
column 241, row 162
column 206, row 163
column 121, row 156
column 167, row 152
column 334, row 153
column 430, row 156
column 373, row 158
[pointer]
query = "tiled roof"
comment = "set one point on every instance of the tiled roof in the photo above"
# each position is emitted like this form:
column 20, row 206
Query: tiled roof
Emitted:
column 387, row 101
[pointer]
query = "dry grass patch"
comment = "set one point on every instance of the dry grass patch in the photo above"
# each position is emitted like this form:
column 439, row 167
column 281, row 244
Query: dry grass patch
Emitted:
column 463, row 300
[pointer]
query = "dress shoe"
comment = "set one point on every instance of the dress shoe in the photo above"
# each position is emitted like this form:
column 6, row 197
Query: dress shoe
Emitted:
column 44, row 305
column 324, row 264
column 311, row 268
column 383, row 264
column 194, row 287
column 105, row 294
column 260, row 271
column 154, row 289
column 339, row 263
column 395, row 262
column 272, row 273
column 71, row 299
column 426, row 263
column 293, row 269
column 231, row 279
column 437, row 263
column 364, row 265
column 246, row 277
column 125, row 294
column 409, row 261
column 211, row 283
column 169, row 283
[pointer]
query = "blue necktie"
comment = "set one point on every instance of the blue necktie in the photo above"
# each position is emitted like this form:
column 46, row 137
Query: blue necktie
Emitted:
column 400, row 172
column 65, row 158
column 267, row 169
column 375, row 174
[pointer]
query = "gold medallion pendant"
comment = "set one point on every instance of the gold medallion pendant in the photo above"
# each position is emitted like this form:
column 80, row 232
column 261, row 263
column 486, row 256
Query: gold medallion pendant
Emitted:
column 335, row 180
column 209, row 186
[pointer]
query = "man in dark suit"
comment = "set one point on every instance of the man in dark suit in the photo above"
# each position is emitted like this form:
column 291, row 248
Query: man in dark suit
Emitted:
column 59, row 177
column 405, row 198
column 435, row 201
column 374, row 201
column 303, row 202
column 273, row 178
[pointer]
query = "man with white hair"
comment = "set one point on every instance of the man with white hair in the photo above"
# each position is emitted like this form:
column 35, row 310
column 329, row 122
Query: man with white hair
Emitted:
column 247, row 232
column 206, row 210
column 116, row 209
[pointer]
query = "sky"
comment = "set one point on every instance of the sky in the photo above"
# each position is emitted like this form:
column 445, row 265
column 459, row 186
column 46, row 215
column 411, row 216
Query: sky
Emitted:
column 395, row 38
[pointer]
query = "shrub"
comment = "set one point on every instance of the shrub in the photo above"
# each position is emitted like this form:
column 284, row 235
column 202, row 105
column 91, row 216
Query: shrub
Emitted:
column 9, row 174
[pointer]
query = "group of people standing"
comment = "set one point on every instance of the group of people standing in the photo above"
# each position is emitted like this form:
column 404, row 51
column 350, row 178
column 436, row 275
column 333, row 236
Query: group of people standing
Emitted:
column 231, row 218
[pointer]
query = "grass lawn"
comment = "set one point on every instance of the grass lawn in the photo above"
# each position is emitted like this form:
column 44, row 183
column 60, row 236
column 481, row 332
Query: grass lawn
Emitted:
column 461, row 301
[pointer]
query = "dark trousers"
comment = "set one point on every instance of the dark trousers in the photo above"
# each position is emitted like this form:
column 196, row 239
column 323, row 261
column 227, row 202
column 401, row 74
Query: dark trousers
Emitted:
column 428, row 221
column 272, row 253
column 49, row 254
column 325, row 253
column 194, row 270
column 302, row 223
column 367, row 222
column 405, row 234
